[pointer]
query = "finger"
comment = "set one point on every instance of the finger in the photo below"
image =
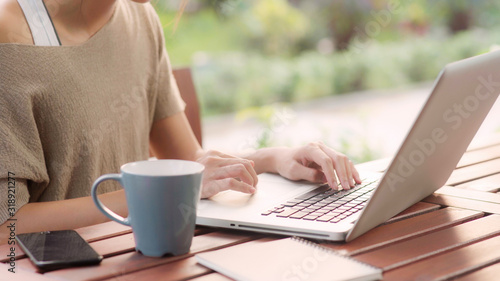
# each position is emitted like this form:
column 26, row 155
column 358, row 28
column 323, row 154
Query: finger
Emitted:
column 340, row 163
column 249, row 165
column 355, row 173
column 340, row 168
column 322, row 159
column 349, row 172
column 214, row 161
column 235, row 171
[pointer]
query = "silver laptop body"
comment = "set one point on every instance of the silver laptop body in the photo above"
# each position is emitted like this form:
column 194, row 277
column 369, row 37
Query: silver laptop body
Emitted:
column 462, row 96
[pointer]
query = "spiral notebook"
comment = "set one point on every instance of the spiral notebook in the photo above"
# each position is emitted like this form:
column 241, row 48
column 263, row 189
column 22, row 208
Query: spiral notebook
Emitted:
column 286, row 259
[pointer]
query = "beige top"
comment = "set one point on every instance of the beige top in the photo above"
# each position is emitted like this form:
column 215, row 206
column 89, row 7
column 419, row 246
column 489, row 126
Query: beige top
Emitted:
column 69, row 114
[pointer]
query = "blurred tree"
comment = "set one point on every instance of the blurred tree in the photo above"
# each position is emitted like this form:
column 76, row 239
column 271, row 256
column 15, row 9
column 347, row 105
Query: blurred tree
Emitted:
column 343, row 17
column 458, row 14
column 416, row 17
column 275, row 27
column 349, row 19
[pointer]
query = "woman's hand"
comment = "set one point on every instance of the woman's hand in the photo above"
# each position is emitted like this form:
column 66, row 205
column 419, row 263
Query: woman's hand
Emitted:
column 316, row 162
column 223, row 172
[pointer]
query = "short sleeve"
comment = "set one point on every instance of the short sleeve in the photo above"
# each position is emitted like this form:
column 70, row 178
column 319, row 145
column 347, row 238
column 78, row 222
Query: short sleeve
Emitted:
column 21, row 153
column 168, row 98
column 169, row 101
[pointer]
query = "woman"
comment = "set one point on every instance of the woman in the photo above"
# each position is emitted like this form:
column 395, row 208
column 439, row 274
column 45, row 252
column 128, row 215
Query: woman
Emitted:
column 104, row 97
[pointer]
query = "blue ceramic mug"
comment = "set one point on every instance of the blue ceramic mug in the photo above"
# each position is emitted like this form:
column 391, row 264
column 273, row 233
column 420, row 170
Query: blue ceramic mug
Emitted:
column 162, row 196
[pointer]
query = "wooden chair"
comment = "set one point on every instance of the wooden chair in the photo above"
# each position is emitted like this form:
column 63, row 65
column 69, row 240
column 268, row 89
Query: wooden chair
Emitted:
column 188, row 93
column 187, row 90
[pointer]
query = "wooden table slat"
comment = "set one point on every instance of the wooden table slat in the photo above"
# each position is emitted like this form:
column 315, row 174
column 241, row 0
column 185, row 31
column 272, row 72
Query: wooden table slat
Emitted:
column 404, row 230
column 469, row 194
column 26, row 265
column 479, row 155
column 178, row 270
column 399, row 254
column 452, row 263
column 484, row 142
column 103, row 231
column 464, row 203
column 133, row 261
column 473, row 172
column 114, row 245
column 212, row 277
column 20, row 275
column 487, row 184
column 419, row 208
column 488, row 273
column 5, row 250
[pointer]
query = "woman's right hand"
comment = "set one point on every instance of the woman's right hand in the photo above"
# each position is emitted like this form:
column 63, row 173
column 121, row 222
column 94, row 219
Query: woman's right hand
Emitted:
column 224, row 172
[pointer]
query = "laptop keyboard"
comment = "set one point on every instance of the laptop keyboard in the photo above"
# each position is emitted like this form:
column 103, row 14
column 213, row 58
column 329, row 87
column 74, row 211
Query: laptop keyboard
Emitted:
column 324, row 204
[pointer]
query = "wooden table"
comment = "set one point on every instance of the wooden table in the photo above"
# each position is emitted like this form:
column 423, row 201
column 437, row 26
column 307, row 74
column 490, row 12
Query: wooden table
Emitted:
column 452, row 233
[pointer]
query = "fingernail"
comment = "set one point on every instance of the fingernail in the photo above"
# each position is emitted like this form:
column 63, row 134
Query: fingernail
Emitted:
column 346, row 185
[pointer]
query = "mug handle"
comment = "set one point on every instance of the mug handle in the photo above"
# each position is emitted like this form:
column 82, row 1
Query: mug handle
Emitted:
column 105, row 210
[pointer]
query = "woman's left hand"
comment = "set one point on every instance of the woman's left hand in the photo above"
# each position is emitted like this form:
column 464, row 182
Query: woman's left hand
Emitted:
column 316, row 162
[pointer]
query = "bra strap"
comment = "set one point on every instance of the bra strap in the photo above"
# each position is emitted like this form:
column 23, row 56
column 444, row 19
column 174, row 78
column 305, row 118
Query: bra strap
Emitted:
column 40, row 23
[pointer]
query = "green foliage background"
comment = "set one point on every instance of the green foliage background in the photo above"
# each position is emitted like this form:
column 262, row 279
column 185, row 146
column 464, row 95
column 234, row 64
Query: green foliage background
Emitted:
column 247, row 55
column 253, row 53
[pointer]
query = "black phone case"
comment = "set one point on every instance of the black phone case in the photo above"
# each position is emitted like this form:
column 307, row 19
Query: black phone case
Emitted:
column 50, row 250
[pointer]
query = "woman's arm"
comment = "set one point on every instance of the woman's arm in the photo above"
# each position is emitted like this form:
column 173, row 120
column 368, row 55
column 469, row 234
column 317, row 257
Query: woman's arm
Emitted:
column 172, row 137
column 63, row 214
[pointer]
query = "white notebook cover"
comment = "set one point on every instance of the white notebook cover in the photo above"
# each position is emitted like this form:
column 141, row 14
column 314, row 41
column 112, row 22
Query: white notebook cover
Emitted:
column 290, row 259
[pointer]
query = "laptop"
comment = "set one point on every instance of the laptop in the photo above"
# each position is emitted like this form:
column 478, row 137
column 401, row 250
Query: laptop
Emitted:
column 461, row 97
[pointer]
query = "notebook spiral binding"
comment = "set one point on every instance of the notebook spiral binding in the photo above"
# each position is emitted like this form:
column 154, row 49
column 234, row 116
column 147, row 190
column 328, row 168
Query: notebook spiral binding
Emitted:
column 330, row 251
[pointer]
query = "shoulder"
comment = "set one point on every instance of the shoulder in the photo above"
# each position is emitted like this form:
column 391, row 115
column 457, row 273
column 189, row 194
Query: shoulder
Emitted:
column 144, row 19
column 13, row 25
column 144, row 13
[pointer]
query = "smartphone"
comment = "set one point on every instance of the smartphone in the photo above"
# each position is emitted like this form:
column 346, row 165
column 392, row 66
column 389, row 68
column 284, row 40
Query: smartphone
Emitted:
column 50, row 250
